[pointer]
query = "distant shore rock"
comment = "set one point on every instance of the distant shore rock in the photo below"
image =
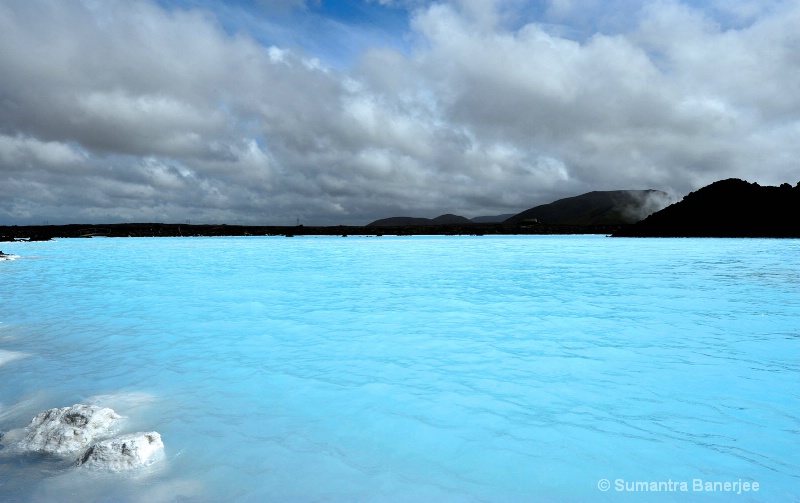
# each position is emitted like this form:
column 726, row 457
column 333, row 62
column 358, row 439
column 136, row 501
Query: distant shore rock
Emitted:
column 8, row 256
column 124, row 452
column 68, row 430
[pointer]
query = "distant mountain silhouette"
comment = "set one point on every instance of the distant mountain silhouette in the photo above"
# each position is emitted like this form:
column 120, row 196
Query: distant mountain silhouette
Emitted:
column 446, row 219
column 727, row 208
column 489, row 219
column 597, row 208
column 391, row 221
column 615, row 207
column 450, row 219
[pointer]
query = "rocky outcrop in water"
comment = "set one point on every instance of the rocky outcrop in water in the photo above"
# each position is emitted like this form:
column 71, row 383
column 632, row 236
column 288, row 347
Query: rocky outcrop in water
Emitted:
column 85, row 433
column 68, row 430
column 124, row 452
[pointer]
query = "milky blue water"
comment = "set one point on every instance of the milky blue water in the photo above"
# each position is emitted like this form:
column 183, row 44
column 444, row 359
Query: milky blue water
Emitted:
column 405, row 369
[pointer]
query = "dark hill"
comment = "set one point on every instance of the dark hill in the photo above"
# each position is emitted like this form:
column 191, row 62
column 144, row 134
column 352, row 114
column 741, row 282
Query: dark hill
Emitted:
column 491, row 219
column 447, row 219
column 727, row 208
column 613, row 207
column 451, row 219
column 392, row 221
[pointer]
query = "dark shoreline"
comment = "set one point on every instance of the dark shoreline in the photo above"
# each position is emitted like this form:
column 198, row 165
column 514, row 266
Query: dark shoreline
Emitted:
column 46, row 232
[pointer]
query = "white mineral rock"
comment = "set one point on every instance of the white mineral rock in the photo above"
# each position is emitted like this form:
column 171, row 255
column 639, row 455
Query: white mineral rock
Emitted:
column 68, row 430
column 124, row 452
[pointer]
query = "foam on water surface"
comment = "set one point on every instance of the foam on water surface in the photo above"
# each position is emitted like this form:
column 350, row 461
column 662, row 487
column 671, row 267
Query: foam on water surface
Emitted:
column 411, row 369
column 10, row 356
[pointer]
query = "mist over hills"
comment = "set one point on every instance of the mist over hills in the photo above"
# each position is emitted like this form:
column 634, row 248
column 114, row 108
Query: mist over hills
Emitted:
column 612, row 207
column 727, row 208
column 615, row 207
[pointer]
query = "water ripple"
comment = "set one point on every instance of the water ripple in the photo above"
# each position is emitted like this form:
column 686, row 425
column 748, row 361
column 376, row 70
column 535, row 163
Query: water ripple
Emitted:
column 412, row 369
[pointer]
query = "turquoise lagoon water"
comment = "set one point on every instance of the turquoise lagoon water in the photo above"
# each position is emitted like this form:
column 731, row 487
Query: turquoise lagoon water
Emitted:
column 406, row 369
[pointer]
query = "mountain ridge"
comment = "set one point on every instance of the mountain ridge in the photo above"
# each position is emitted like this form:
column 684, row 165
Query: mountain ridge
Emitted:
column 726, row 208
column 613, row 207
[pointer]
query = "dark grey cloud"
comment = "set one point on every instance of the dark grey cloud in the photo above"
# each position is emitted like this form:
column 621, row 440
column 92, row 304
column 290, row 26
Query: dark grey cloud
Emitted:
column 121, row 111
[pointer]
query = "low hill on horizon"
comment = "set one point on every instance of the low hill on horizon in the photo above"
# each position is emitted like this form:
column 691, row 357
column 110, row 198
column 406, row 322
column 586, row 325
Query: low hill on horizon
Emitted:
column 726, row 208
column 446, row 219
column 611, row 207
column 491, row 219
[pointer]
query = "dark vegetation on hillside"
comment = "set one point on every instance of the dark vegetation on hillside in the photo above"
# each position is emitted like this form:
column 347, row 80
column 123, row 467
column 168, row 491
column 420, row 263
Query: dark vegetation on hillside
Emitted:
column 727, row 208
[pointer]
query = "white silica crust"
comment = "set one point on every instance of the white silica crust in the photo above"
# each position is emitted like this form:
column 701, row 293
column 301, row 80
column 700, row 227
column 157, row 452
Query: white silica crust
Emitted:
column 68, row 430
column 125, row 452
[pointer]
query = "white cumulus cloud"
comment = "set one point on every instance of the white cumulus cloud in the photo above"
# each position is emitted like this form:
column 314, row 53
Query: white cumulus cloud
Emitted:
column 117, row 110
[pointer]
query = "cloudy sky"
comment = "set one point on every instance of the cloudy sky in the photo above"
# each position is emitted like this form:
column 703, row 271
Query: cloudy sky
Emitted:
column 342, row 112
